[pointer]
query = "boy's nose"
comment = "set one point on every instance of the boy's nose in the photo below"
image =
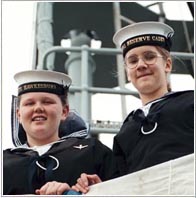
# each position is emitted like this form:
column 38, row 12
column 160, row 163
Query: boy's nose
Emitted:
column 39, row 108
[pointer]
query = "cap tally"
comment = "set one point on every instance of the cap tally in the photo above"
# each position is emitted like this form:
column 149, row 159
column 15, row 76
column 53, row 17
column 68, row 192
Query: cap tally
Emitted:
column 144, row 33
column 42, row 81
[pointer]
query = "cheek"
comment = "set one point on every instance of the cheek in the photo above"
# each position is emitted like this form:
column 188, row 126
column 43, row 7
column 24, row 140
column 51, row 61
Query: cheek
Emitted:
column 56, row 113
column 130, row 75
column 160, row 72
column 23, row 114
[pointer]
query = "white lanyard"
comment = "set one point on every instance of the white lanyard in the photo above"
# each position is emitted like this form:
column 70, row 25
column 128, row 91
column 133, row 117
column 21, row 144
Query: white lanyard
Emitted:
column 146, row 109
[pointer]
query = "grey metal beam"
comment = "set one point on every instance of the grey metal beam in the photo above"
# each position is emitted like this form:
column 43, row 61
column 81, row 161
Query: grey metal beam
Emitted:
column 45, row 33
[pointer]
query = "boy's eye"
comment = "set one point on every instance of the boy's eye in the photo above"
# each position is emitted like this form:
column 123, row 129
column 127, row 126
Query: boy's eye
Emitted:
column 132, row 60
column 28, row 103
column 149, row 56
column 48, row 102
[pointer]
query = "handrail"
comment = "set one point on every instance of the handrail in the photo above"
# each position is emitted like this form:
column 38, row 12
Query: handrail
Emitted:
column 104, row 51
column 104, row 90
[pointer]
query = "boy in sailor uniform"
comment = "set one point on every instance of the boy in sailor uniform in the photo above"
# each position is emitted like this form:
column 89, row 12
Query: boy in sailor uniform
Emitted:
column 163, row 128
column 49, row 162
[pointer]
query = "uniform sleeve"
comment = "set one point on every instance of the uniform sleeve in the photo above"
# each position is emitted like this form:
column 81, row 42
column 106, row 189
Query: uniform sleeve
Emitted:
column 15, row 174
column 105, row 162
column 5, row 173
column 119, row 157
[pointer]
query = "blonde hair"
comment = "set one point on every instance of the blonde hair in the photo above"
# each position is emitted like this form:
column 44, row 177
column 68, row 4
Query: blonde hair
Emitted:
column 166, row 54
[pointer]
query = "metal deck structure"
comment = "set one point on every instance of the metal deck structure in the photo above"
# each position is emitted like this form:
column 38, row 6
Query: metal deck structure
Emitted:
column 92, row 70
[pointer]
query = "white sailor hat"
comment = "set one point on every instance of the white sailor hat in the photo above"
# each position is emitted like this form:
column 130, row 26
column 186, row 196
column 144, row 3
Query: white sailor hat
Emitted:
column 144, row 33
column 42, row 81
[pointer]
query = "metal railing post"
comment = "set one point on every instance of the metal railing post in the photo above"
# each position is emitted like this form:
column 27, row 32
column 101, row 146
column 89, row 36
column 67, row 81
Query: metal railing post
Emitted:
column 85, row 96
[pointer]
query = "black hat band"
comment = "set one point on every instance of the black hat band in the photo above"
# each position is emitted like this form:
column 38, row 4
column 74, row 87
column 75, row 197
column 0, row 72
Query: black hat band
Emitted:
column 147, row 39
column 42, row 87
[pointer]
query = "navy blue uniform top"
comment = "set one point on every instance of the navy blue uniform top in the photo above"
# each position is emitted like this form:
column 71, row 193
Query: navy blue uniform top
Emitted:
column 165, row 133
column 23, row 169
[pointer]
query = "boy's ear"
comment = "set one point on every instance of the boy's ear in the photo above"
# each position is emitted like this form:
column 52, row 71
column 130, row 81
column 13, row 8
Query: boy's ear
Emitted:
column 65, row 112
column 18, row 114
column 168, row 67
